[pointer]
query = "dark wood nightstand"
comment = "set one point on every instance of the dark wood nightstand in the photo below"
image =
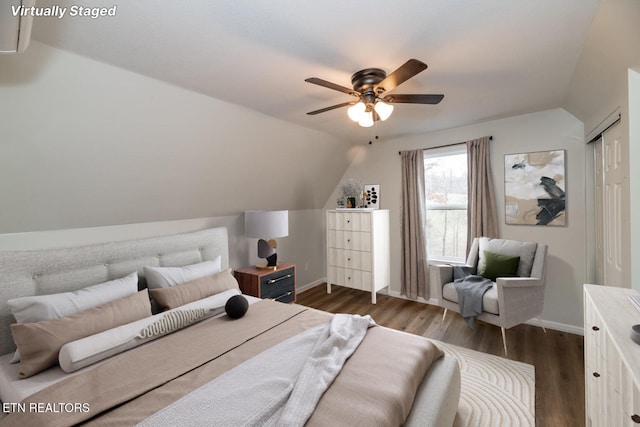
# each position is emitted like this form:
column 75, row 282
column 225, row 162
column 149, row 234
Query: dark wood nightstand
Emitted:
column 278, row 284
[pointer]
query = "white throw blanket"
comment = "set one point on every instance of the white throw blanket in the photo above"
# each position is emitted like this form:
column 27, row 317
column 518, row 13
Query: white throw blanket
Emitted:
column 279, row 387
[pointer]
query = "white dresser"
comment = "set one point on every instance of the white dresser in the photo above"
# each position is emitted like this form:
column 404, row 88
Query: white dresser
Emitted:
column 612, row 360
column 358, row 249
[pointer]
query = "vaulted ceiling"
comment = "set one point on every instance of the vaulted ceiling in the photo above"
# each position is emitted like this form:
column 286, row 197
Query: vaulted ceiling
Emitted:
column 490, row 58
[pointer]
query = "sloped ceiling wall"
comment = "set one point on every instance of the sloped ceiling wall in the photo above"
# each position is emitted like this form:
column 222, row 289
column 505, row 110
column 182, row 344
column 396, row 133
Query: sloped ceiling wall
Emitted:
column 86, row 144
column 599, row 83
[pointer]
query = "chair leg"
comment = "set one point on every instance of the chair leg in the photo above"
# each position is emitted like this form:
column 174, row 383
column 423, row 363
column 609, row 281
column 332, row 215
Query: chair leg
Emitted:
column 443, row 316
column 541, row 324
column 504, row 341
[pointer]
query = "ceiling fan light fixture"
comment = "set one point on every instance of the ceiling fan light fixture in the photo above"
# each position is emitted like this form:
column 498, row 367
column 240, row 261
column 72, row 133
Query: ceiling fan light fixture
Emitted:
column 357, row 111
column 367, row 119
column 383, row 109
column 369, row 87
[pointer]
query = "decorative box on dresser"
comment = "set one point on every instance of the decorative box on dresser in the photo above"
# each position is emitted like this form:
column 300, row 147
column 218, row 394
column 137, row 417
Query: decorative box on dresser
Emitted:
column 277, row 284
column 358, row 249
column 612, row 359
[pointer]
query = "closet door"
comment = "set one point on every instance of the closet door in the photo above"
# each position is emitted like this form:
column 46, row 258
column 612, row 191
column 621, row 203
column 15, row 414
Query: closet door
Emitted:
column 612, row 208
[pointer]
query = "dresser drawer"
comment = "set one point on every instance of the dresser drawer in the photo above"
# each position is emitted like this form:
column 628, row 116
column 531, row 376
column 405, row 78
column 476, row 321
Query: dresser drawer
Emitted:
column 354, row 240
column 356, row 279
column 345, row 258
column 349, row 221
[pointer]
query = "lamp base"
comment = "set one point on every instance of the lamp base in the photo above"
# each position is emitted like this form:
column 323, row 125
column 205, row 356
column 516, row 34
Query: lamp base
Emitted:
column 272, row 263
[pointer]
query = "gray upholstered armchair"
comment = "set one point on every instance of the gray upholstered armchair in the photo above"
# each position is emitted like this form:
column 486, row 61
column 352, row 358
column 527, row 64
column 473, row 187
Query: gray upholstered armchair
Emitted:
column 511, row 300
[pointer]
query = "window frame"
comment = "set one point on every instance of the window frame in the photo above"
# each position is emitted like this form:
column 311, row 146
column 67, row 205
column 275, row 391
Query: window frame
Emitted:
column 444, row 152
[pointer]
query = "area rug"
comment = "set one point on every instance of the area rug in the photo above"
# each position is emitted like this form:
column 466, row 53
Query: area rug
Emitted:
column 495, row 391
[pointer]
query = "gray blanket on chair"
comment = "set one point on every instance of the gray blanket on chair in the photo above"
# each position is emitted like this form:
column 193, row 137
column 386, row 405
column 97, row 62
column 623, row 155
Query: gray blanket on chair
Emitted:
column 471, row 289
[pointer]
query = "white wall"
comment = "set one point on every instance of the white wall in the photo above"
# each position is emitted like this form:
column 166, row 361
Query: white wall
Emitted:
column 568, row 261
column 602, row 82
column 86, row 144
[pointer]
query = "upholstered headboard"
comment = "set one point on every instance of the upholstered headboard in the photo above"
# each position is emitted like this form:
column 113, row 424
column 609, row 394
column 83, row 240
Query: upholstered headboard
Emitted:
column 62, row 270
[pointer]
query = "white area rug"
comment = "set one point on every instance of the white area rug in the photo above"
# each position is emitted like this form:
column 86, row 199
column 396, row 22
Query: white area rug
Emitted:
column 495, row 391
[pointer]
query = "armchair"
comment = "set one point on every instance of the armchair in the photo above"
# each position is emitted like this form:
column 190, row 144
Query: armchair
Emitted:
column 511, row 300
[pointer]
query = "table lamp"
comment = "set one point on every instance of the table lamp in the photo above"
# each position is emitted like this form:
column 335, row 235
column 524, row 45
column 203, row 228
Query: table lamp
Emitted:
column 265, row 225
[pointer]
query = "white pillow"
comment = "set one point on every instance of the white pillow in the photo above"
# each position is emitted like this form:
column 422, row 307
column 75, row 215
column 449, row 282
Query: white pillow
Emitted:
column 53, row 306
column 89, row 350
column 165, row 277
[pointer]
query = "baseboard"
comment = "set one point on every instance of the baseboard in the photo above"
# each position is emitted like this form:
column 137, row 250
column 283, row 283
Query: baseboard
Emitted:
column 562, row 327
column 306, row 287
column 556, row 326
column 396, row 294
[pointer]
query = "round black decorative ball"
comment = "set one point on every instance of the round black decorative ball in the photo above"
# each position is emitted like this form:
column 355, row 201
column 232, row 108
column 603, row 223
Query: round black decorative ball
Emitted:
column 236, row 306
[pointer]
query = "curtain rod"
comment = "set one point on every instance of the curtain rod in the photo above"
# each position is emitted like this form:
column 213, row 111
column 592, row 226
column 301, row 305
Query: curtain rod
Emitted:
column 447, row 145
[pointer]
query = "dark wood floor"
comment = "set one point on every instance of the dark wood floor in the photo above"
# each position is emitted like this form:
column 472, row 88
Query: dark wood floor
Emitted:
column 557, row 356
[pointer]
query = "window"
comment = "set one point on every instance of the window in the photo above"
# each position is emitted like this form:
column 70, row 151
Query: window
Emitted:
column 445, row 173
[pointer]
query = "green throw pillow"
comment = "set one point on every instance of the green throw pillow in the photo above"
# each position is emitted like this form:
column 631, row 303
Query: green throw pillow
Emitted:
column 497, row 265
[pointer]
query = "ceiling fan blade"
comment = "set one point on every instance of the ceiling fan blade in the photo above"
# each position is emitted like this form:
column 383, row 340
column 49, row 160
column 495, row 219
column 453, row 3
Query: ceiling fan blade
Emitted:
column 324, row 83
column 333, row 107
column 401, row 75
column 413, row 99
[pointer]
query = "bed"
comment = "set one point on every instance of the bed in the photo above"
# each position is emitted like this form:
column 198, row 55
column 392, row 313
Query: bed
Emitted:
column 207, row 368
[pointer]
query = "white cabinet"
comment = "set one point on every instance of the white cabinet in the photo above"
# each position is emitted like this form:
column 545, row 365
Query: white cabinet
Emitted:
column 612, row 360
column 358, row 249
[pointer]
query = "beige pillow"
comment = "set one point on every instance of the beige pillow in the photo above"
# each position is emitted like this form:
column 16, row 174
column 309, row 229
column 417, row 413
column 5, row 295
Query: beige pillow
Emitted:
column 40, row 342
column 53, row 306
column 88, row 350
column 175, row 296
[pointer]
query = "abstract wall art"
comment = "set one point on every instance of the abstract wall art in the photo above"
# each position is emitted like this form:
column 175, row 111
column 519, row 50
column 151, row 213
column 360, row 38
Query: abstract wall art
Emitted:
column 372, row 192
column 535, row 188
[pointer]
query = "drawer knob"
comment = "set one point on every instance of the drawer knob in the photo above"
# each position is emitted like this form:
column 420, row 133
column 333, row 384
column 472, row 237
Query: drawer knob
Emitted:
column 348, row 259
column 595, row 328
column 595, row 374
column 635, row 418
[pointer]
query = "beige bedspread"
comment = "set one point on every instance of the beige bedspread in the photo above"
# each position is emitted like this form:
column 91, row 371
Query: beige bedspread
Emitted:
column 376, row 386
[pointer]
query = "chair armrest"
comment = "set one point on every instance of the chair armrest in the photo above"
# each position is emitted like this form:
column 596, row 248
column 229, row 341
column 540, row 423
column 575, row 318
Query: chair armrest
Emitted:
column 440, row 274
column 443, row 273
column 519, row 299
column 518, row 282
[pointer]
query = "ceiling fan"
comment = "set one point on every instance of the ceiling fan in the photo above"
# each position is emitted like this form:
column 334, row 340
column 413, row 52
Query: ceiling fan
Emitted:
column 370, row 86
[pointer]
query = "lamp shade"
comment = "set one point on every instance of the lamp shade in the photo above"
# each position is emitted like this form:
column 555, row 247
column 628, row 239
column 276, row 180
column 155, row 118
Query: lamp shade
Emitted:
column 356, row 111
column 367, row 120
column 266, row 224
column 383, row 109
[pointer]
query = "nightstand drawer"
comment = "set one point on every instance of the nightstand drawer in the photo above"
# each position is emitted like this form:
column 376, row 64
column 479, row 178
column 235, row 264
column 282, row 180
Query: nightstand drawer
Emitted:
column 279, row 285
column 286, row 294
column 275, row 283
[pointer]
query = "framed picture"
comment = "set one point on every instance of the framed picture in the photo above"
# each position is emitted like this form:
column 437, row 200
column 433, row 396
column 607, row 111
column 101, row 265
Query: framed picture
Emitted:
column 373, row 196
column 534, row 188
